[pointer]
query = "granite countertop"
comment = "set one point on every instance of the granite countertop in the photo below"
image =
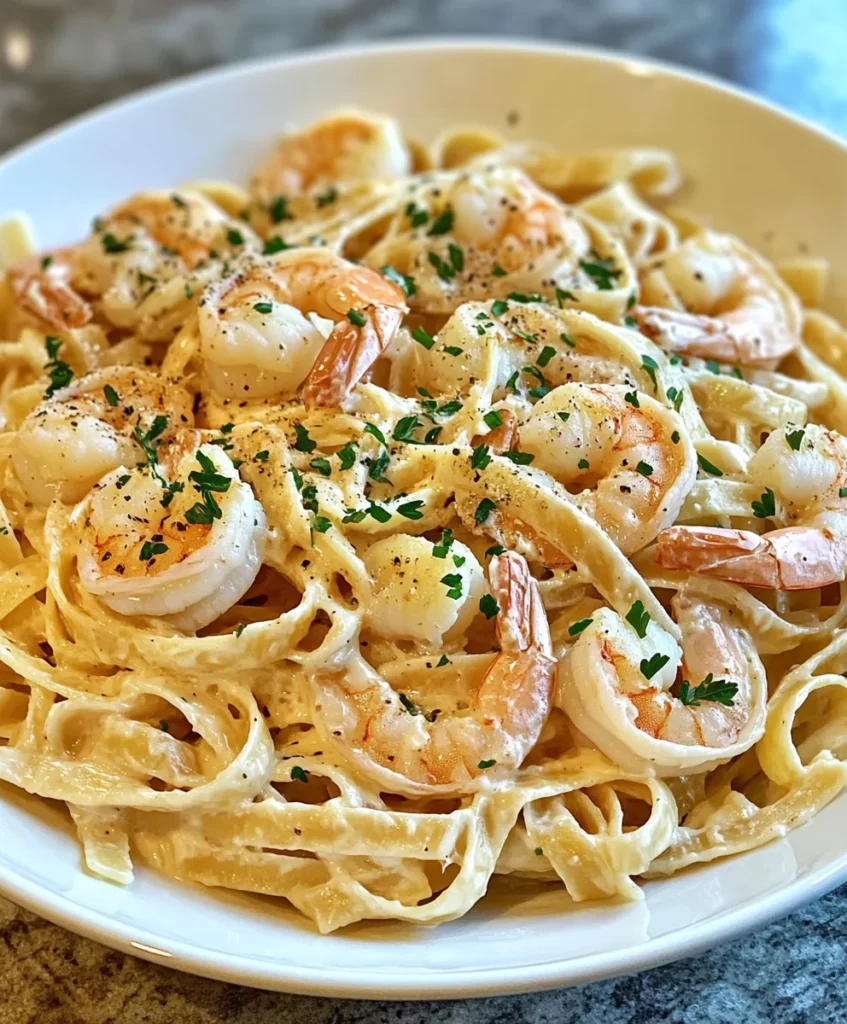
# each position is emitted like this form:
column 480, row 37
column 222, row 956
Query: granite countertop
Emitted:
column 58, row 57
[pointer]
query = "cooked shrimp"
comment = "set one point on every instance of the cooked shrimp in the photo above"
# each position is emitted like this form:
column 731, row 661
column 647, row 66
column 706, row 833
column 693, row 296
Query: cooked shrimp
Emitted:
column 142, row 265
column 42, row 286
column 630, row 464
column 724, row 302
column 409, row 600
column 68, row 442
column 616, row 681
column 487, row 234
column 806, row 469
column 181, row 539
column 458, row 752
column 303, row 317
column 347, row 146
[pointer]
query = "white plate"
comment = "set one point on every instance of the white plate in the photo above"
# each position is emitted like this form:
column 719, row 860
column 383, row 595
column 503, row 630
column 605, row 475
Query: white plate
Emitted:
column 773, row 179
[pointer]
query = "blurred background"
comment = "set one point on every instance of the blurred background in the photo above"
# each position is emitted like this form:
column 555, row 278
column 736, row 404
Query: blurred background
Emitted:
column 59, row 57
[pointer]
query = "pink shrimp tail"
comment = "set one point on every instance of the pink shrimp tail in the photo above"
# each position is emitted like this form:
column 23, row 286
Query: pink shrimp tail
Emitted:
column 48, row 294
column 795, row 558
column 347, row 355
column 710, row 337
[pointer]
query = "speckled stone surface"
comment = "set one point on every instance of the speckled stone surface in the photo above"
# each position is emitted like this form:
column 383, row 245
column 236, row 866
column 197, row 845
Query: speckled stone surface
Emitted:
column 59, row 57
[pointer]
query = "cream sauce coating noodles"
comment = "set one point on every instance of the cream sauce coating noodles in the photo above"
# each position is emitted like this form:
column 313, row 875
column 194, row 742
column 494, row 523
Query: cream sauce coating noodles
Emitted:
column 416, row 515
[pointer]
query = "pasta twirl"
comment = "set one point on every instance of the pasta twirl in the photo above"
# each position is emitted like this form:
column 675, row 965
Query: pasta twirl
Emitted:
column 415, row 515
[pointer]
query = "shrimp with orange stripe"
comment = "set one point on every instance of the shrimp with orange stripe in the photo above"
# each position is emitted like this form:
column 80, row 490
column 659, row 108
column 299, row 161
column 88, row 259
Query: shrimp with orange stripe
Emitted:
column 301, row 319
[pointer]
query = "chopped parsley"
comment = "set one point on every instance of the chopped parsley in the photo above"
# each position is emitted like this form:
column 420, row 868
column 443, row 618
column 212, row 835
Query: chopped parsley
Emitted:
column 493, row 419
column 442, row 224
column 650, row 666
column 583, row 464
column 59, row 372
column 519, row 458
column 632, row 398
column 275, row 244
column 112, row 244
column 401, row 280
column 347, row 455
column 498, row 271
column 149, row 550
column 405, row 428
column 567, row 339
column 444, row 270
column 483, row 511
column 357, row 318
column 488, row 606
column 322, row 524
column 327, row 197
column 299, row 774
column 676, row 396
column 234, row 237
column 495, row 549
column 278, row 209
column 794, row 439
column 766, row 506
column 499, row 307
column 481, row 457
column 707, row 466
column 410, row 510
column 440, row 549
column 423, row 337
column 303, row 443
column 487, row 764
column 601, row 272
column 644, row 468
column 719, row 691
column 453, row 582
column 638, row 618
column 577, row 627
column 322, row 466
column 457, row 257
column 416, row 216
column 649, row 364
column 545, row 355
column 369, row 428
column 263, row 307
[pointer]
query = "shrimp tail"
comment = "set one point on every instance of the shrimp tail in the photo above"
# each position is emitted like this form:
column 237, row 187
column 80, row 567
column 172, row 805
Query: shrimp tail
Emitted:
column 47, row 293
column 517, row 689
column 349, row 353
column 500, row 439
column 795, row 558
column 522, row 622
column 709, row 337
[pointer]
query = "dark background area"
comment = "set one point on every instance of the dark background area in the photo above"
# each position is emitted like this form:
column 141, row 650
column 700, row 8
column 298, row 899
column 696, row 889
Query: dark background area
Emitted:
column 60, row 57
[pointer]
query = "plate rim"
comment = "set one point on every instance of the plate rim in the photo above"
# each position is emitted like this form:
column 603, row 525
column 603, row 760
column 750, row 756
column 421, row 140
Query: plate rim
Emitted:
column 351, row 983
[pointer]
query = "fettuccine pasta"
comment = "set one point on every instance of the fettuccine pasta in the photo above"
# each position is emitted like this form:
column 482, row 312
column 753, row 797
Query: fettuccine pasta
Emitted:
column 415, row 515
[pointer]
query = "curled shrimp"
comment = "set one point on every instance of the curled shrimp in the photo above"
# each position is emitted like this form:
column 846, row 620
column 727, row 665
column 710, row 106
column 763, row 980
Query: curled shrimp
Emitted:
column 806, row 469
column 140, row 267
column 616, row 685
column 483, row 234
column 715, row 298
column 180, row 539
column 42, row 286
column 72, row 439
column 347, row 146
column 305, row 317
column 626, row 458
column 453, row 753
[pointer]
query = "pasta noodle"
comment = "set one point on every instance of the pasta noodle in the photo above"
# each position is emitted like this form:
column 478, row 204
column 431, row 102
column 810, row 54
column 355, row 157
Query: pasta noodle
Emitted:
column 415, row 515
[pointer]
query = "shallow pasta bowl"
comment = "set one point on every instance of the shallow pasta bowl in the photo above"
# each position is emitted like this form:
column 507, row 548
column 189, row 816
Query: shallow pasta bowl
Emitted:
column 779, row 183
